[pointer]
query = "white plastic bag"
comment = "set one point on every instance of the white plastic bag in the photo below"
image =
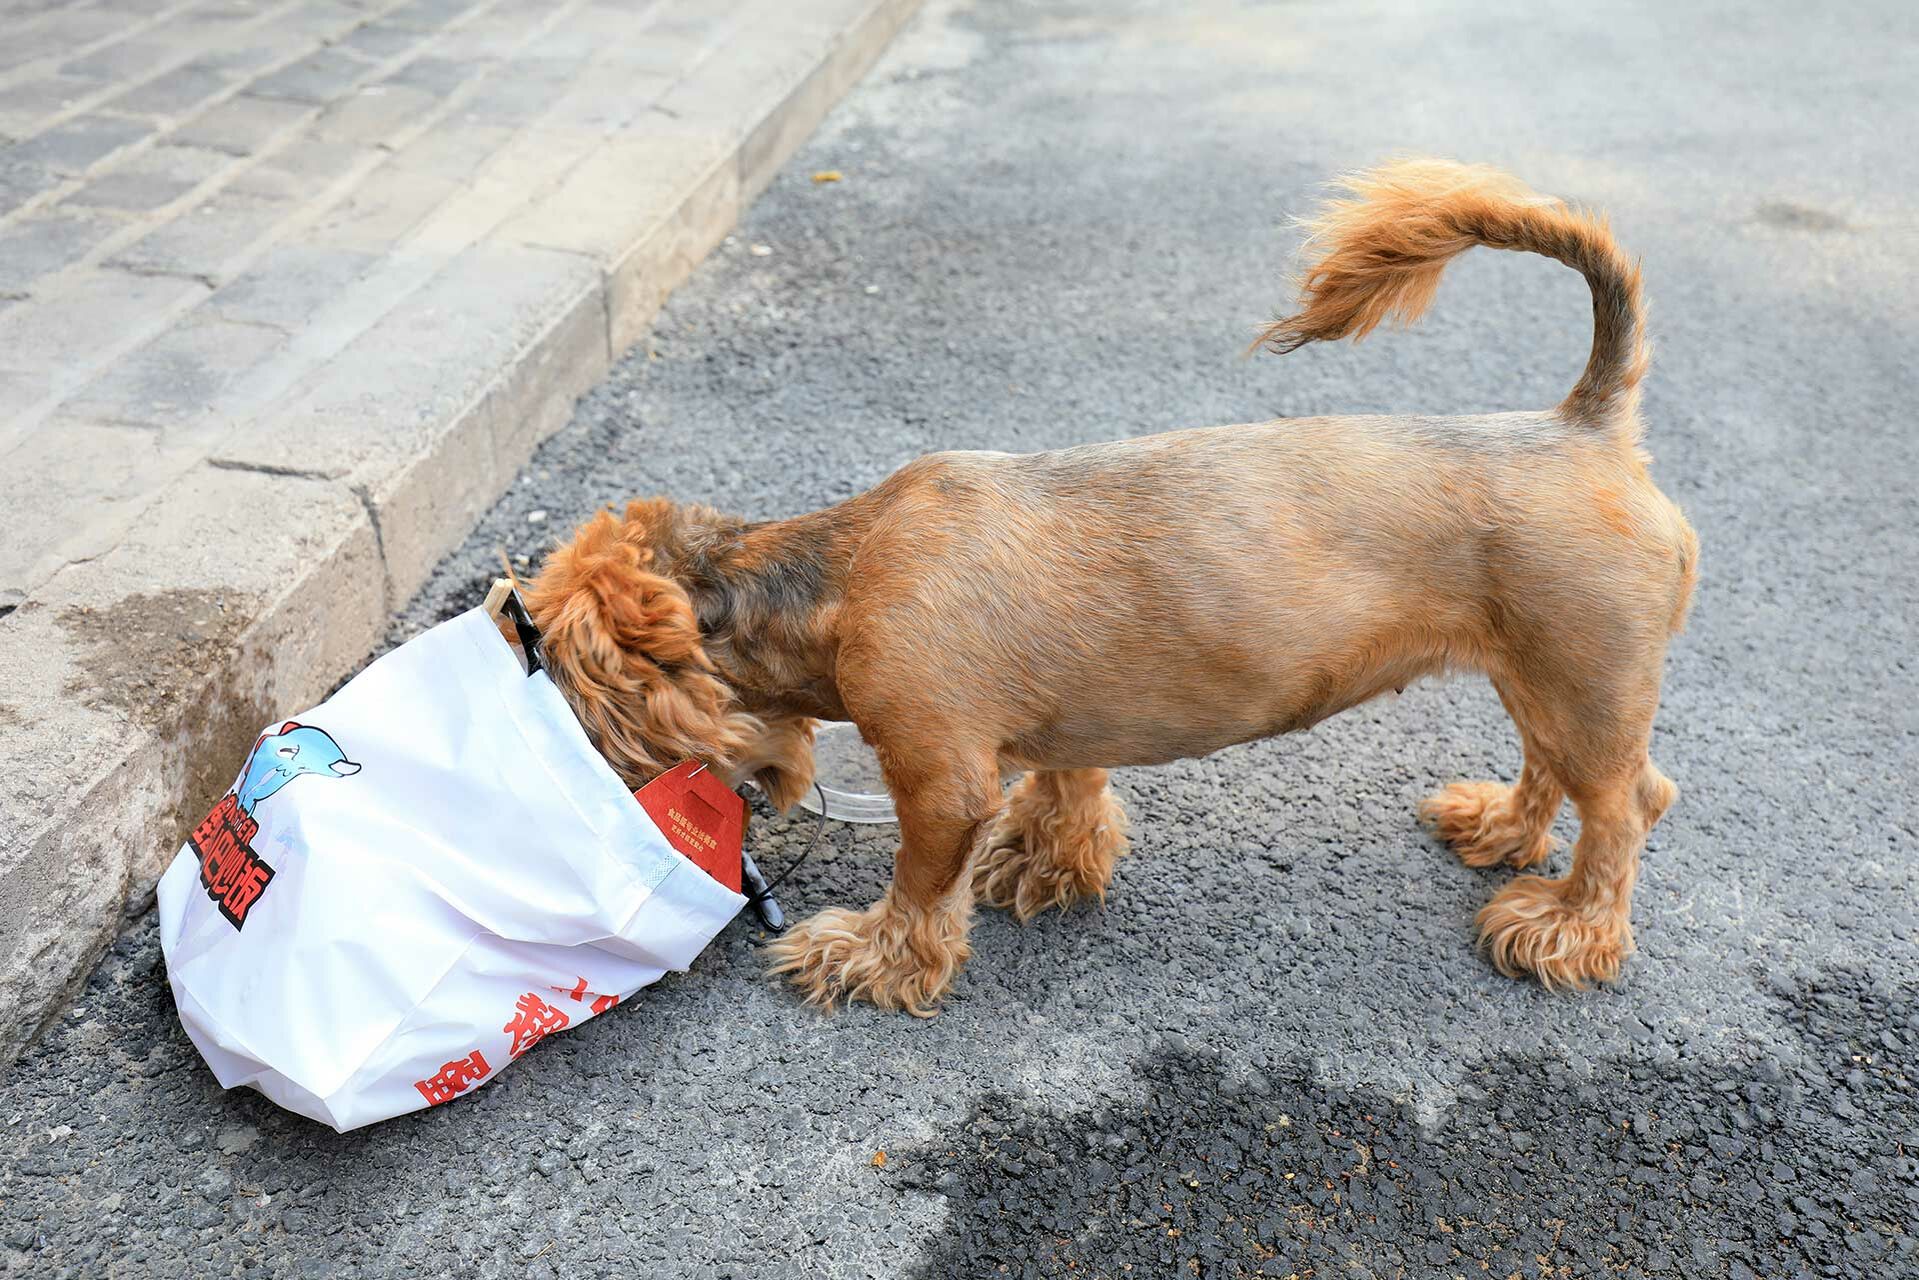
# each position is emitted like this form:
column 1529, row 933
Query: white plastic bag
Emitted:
column 415, row 882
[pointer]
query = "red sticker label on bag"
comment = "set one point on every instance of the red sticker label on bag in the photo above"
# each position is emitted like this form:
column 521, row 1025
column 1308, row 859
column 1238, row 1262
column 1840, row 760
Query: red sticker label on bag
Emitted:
column 233, row 875
column 700, row 816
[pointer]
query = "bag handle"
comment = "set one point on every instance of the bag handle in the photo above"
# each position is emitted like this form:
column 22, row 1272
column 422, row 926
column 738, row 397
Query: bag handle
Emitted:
column 503, row 600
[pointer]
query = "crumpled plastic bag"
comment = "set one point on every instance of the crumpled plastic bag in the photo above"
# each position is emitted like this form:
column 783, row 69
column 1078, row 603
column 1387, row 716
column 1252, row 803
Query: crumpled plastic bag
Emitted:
column 417, row 881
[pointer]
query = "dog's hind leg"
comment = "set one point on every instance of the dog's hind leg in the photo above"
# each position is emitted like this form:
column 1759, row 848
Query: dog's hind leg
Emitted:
column 1593, row 736
column 1056, row 841
column 904, row 951
column 1487, row 823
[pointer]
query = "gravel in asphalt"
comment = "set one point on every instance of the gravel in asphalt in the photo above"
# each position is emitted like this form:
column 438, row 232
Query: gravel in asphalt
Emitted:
column 1274, row 1050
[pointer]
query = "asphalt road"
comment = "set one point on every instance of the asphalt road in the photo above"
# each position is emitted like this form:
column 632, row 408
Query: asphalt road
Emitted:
column 1274, row 1051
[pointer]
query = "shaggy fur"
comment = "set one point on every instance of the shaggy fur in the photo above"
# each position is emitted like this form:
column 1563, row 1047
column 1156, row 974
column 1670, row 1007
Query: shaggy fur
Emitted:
column 1148, row 600
column 1054, row 843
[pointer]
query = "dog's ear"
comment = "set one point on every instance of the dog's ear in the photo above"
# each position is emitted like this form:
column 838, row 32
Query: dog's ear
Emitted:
column 622, row 643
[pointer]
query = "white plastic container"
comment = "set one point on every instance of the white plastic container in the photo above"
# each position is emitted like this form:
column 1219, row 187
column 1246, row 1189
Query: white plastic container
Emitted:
column 848, row 774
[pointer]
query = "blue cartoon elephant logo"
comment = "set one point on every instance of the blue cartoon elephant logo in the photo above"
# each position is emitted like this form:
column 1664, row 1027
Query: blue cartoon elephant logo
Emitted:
column 279, row 758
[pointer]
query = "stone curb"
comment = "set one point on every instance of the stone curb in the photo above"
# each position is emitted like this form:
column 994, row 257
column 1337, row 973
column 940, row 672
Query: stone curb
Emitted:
column 134, row 680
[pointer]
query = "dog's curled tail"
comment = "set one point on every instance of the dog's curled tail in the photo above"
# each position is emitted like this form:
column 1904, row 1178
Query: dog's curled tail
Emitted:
column 1380, row 252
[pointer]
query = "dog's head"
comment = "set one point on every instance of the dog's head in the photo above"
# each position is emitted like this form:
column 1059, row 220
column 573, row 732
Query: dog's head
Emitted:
column 623, row 644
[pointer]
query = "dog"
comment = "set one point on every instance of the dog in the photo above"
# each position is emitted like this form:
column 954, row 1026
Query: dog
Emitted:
column 1148, row 600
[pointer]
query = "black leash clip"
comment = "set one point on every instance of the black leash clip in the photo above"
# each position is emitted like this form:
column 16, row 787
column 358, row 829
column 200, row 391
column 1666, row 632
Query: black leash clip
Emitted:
column 764, row 904
column 760, row 894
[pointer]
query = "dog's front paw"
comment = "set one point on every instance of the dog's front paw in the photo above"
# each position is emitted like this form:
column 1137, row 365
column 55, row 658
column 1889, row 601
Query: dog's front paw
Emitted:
column 1530, row 928
column 894, row 956
column 1480, row 823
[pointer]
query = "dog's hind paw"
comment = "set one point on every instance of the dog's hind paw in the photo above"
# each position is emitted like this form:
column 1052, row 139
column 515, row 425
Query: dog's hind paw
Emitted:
column 1042, row 854
column 1480, row 822
column 1530, row 928
column 1009, row 875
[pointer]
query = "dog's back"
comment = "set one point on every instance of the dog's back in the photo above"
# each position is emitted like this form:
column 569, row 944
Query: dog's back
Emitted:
column 1380, row 254
column 1297, row 568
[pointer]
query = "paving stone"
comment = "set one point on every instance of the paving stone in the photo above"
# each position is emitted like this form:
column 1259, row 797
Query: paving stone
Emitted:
column 346, row 304
column 375, row 113
column 125, row 59
column 289, row 284
column 245, row 53
column 172, row 380
column 606, row 97
column 323, row 20
column 49, row 241
column 430, row 15
column 158, row 176
column 207, row 242
column 318, row 78
column 530, row 161
column 670, row 53
column 706, row 23
column 60, row 341
column 211, row 15
column 586, row 34
column 381, row 40
column 53, row 35
column 153, row 621
column 75, row 145
column 22, row 183
column 58, row 492
column 212, row 240
column 381, row 211
column 302, row 170
column 438, row 76
column 487, row 38
column 648, row 208
column 443, row 347
column 133, row 190
column 391, row 202
column 243, row 125
column 453, row 149
column 207, row 24
column 28, row 104
column 517, row 93
column 175, row 92
column 344, row 313
column 140, row 8
column 19, row 393
column 731, row 93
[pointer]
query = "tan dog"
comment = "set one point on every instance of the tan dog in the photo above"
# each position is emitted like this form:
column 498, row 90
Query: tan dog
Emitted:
column 1155, row 599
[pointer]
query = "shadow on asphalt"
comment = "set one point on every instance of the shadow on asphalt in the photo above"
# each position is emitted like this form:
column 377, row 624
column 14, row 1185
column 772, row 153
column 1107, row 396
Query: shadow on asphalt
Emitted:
column 1193, row 1171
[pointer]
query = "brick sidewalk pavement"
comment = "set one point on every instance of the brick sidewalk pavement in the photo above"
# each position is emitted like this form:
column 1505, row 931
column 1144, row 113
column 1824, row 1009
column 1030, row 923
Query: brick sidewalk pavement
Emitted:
column 203, row 204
